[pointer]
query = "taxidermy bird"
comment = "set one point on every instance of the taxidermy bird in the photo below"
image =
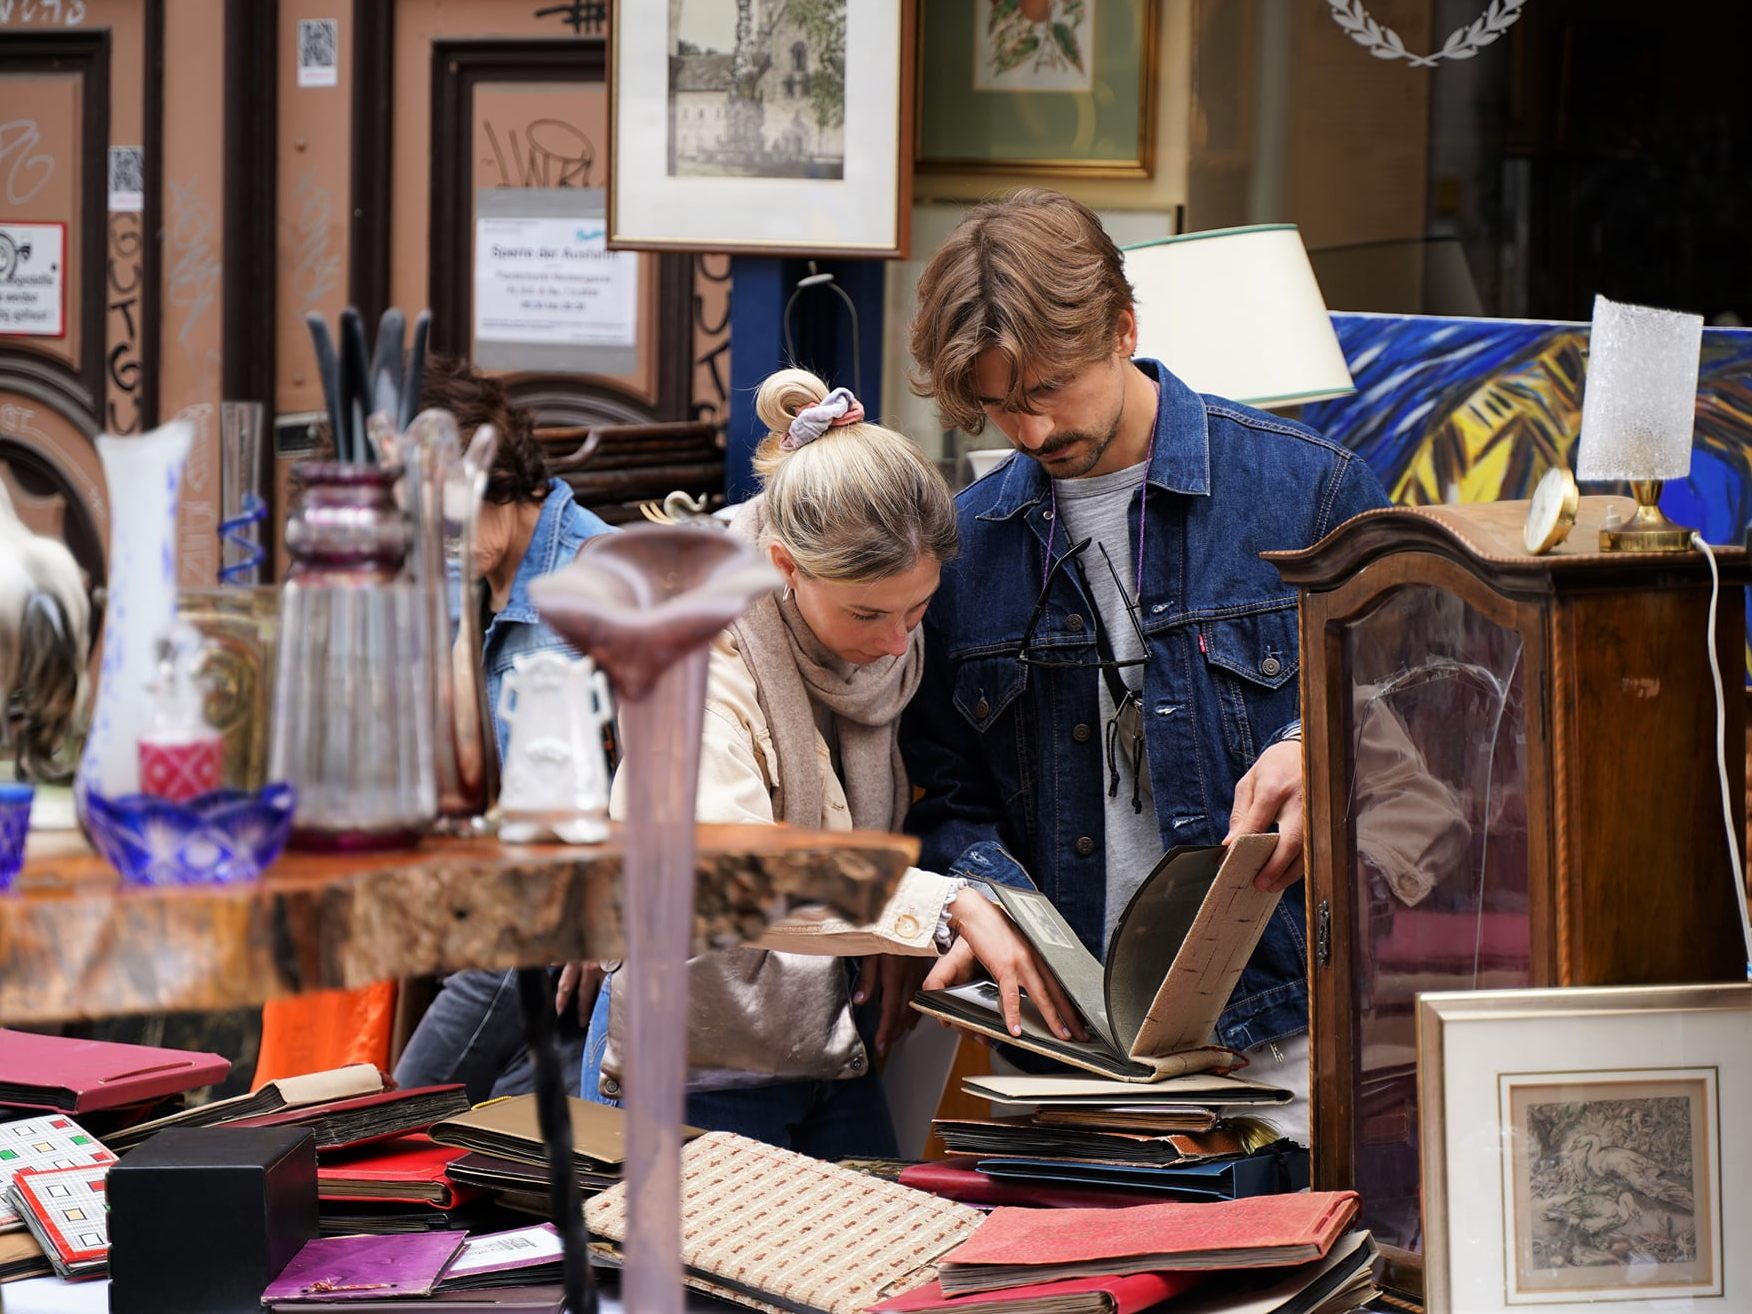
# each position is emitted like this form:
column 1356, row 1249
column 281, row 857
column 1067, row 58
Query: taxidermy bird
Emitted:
column 45, row 640
column 1627, row 1168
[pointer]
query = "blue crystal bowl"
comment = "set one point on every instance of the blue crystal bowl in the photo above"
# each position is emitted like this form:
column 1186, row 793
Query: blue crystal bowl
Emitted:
column 220, row 838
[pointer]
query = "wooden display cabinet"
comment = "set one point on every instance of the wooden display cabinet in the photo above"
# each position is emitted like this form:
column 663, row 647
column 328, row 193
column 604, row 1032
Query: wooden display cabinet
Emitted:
column 1511, row 781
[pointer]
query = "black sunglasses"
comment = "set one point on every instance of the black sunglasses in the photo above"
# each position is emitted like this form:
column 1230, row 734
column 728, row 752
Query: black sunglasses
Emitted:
column 1029, row 657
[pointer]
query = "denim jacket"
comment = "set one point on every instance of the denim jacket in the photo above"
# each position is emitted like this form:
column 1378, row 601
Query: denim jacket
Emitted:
column 517, row 629
column 1009, row 757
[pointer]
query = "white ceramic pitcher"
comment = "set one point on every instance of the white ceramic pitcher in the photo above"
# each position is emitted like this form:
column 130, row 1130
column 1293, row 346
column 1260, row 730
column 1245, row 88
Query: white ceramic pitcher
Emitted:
column 555, row 779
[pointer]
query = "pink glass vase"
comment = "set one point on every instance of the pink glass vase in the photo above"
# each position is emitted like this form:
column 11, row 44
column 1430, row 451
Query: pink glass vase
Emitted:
column 645, row 604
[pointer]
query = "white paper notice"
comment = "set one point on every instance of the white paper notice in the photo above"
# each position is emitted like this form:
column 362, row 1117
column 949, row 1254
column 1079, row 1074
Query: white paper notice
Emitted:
column 33, row 280
column 319, row 52
column 553, row 281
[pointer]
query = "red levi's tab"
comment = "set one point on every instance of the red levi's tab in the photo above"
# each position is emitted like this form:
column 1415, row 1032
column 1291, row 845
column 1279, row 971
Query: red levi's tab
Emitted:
column 1014, row 1247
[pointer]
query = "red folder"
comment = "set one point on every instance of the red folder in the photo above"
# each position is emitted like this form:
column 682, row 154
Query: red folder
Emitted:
column 342, row 1124
column 80, row 1076
column 956, row 1178
column 1016, row 1246
column 1095, row 1295
column 406, row 1169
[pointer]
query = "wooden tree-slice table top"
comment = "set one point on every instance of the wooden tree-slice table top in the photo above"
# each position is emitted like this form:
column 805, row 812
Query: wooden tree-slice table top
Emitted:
column 76, row 943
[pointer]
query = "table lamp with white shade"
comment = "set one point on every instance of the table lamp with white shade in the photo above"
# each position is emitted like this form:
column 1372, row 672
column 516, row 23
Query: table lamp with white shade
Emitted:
column 1639, row 406
column 1237, row 312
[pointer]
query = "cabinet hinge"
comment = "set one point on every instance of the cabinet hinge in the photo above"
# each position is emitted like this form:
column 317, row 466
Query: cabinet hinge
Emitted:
column 1323, row 933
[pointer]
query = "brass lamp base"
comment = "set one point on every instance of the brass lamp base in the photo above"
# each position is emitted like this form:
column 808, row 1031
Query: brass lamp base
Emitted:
column 1648, row 530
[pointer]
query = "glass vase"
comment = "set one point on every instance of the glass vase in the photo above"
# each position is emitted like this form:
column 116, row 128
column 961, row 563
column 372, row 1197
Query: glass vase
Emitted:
column 143, row 475
column 644, row 604
column 352, row 710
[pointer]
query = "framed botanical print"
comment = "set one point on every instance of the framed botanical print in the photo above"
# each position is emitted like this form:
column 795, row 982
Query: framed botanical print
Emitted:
column 1581, row 1147
column 761, row 127
column 1038, row 87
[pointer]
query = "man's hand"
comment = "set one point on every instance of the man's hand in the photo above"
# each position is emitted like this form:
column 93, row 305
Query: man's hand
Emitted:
column 583, row 980
column 984, row 934
column 894, row 979
column 1272, row 792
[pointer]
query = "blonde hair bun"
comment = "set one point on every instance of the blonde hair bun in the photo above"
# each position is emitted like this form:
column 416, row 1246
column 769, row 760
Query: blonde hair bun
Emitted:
column 783, row 395
column 861, row 502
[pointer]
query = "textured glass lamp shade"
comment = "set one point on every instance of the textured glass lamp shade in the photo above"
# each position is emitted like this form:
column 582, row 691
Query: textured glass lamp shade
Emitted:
column 1236, row 312
column 1639, row 403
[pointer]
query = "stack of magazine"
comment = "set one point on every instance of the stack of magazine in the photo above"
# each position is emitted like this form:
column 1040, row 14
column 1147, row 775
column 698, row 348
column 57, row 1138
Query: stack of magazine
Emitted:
column 1156, row 1117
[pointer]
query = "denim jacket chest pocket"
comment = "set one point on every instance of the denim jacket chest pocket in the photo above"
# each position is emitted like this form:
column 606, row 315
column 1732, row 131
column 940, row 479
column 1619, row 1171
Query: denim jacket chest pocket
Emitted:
column 1253, row 660
column 984, row 689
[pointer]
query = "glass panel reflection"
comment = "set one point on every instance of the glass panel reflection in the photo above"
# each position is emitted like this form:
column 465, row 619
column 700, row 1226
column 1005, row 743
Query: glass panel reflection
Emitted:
column 1437, row 820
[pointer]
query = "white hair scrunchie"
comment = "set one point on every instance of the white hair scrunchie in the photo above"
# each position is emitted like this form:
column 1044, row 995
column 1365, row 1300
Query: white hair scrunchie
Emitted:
column 838, row 408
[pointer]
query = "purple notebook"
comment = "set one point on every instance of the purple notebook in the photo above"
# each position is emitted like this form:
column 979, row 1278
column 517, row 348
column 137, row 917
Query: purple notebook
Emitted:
column 333, row 1268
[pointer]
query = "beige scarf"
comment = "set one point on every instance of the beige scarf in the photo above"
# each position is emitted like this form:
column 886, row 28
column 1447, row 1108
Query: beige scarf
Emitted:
column 796, row 674
column 755, row 1016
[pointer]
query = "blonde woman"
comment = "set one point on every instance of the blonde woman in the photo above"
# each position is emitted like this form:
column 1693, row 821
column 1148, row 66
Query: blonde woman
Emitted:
column 802, row 708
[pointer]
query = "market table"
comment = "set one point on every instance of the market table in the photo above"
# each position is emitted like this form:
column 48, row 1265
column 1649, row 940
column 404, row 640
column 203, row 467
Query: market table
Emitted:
column 75, row 943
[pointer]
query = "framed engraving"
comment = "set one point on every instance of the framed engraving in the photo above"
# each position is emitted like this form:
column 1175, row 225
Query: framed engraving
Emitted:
column 1575, row 1149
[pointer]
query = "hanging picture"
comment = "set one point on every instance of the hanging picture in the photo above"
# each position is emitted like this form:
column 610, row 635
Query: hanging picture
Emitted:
column 1048, row 87
column 743, row 126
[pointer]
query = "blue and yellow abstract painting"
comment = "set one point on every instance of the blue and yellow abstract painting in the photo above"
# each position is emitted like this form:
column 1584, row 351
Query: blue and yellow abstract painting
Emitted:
column 1476, row 410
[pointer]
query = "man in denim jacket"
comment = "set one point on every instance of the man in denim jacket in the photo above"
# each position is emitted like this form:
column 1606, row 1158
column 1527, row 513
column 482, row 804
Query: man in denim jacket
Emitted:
column 1111, row 670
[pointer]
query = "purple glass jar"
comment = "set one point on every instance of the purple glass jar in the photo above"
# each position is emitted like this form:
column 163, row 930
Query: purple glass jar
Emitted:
column 352, row 707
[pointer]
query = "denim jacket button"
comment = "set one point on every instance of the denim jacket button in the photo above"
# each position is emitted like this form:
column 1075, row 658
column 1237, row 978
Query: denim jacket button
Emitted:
column 1073, row 621
column 982, row 709
column 1080, row 733
column 1270, row 666
column 1085, row 846
column 611, row 1088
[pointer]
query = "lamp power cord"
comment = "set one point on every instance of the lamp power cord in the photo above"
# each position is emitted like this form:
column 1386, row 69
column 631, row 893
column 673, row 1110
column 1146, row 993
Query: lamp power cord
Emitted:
column 1721, row 729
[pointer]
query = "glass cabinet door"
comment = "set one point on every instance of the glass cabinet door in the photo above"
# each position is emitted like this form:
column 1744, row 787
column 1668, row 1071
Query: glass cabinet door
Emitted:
column 1436, row 815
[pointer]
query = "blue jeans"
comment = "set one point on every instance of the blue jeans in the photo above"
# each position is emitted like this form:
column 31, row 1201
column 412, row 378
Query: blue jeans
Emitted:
column 823, row 1119
column 473, row 1033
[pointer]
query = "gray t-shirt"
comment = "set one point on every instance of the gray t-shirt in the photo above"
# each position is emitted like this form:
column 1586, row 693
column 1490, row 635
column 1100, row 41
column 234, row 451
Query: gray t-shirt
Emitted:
column 1099, row 508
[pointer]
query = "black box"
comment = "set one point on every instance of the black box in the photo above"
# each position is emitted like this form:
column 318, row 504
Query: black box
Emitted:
column 201, row 1219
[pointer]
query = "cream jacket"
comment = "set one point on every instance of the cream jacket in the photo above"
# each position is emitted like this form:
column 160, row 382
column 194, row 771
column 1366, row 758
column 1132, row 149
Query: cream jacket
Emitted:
column 778, row 1010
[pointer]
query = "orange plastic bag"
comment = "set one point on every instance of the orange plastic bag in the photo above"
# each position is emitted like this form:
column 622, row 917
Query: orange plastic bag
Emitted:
column 325, row 1029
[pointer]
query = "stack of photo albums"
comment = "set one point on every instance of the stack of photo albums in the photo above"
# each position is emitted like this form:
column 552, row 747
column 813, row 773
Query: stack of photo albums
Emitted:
column 774, row 1230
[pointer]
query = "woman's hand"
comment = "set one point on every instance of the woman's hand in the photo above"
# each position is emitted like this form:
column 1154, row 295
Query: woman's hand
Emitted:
column 985, row 935
column 894, row 979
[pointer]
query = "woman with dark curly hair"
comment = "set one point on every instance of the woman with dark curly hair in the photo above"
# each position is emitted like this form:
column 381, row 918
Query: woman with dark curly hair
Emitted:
column 529, row 525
